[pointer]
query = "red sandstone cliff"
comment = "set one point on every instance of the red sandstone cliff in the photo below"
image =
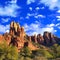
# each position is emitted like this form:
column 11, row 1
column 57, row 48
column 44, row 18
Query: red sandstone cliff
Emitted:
column 18, row 37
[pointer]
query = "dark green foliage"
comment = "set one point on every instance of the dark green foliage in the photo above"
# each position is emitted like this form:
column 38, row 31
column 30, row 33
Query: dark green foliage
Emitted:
column 25, row 54
column 55, row 50
column 47, row 53
column 8, row 52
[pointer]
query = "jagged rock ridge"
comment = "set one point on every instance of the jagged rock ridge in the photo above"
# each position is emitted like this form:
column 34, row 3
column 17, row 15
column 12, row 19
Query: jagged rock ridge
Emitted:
column 47, row 39
column 18, row 37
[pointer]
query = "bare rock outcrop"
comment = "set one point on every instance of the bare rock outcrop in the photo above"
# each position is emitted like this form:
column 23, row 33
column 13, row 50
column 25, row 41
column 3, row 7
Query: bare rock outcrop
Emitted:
column 17, row 37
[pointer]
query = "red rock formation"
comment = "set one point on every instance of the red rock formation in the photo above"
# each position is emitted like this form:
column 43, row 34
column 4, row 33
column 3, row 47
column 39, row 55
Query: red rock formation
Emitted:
column 18, row 37
column 7, row 37
column 40, row 39
column 1, row 38
column 52, row 39
column 46, row 38
column 29, row 38
column 17, row 34
column 34, row 38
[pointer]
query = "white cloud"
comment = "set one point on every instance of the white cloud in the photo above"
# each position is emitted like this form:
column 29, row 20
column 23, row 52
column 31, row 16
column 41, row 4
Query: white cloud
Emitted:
column 57, row 24
column 54, row 25
column 35, row 15
column 27, row 17
column 30, row 14
column 4, row 28
column 51, row 3
column 5, row 20
column 51, row 25
column 30, row 8
column 58, row 17
column 7, row 31
column 55, row 30
column 59, row 27
column 30, row 1
column 13, row 1
column 10, row 9
column 36, row 28
column 39, row 16
column 37, row 8
column 58, row 11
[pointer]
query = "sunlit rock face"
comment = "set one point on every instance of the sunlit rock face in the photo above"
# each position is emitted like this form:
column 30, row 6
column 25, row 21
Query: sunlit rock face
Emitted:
column 17, row 37
column 7, row 37
column 17, row 34
column 1, row 38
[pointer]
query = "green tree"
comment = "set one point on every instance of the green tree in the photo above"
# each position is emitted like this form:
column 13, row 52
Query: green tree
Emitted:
column 8, row 52
column 54, row 51
column 25, row 54
column 40, row 58
column 58, row 52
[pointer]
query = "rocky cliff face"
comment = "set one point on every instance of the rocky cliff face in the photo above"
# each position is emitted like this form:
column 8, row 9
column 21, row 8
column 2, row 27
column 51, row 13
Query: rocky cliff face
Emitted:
column 48, row 39
column 18, row 37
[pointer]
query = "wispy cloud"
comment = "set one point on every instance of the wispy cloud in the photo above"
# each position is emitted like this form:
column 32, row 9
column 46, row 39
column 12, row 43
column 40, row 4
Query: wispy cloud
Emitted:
column 35, row 28
column 13, row 1
column 58, row 24
column 30, row 8
column 58, row 17
column 37, row 8
column 58, row 11
column 51, row 25
column 30, row 1
column 4, row 28
column 5, row 20
column 51, row 3
column 39, row 16
column 10, row 9
column 35, row 15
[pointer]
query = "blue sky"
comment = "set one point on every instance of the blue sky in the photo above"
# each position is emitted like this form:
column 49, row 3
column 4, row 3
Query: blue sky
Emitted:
column 36, row 16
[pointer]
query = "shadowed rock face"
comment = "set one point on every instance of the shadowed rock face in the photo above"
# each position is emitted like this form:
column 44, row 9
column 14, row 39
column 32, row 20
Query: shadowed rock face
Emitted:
column 34, row 38
column 17, row 36
column 47, row 39
column 40, row 39
column 52, row 39
column 14, row 41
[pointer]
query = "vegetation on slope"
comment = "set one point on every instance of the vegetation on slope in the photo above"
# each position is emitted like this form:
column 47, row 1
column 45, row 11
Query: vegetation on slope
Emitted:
column 43, row 53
